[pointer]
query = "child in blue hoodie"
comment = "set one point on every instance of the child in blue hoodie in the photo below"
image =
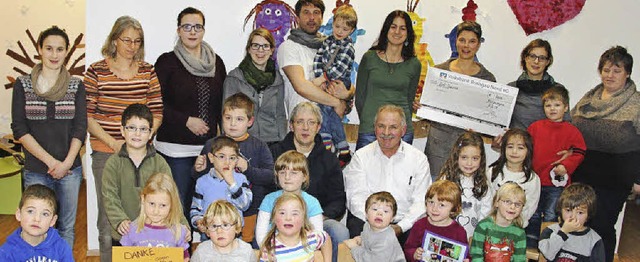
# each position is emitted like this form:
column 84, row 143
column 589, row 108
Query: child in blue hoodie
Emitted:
column 36, row 239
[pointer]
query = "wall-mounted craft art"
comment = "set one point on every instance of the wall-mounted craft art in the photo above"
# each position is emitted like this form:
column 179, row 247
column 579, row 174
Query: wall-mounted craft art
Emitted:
column 539, row 15
column 468, row 14
column 29, row 58
column 420, row 48
column 274, row 15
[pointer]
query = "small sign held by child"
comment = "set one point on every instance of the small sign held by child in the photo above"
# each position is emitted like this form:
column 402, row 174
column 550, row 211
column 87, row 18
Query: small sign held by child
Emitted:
column 150, row 254
column 439, row 248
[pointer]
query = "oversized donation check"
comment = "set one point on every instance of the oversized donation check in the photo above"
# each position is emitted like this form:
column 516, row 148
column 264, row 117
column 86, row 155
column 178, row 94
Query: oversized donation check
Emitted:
column 467, row 102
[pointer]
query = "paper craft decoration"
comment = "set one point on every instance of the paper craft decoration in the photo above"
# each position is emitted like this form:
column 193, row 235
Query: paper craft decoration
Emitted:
column 26, row 59
column 468, row 14
column 438, row 248
column 420, row 48
column 467, row 102
column 539, row 15
column 147, row 254
column 274, row 15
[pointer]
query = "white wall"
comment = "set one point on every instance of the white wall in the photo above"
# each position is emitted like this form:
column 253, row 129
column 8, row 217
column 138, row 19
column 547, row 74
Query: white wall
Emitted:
column 576, row 44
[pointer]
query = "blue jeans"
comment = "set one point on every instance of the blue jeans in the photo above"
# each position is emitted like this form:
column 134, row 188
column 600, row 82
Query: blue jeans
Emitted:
column 66, row 190
column 182, row 172
column 332, row 125
column 338, row 233
column 546, row 212
column 367, row 138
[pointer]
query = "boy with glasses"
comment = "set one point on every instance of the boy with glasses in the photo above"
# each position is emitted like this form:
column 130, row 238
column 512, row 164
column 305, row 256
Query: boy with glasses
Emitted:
column 255, row 160
column 223, row 181
column 126, row 171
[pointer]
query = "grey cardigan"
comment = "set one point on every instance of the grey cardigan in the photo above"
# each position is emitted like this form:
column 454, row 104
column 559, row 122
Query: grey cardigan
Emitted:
column 270, row 124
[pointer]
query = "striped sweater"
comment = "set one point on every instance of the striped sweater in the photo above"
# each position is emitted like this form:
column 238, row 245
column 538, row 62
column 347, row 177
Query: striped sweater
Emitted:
column 108, row 96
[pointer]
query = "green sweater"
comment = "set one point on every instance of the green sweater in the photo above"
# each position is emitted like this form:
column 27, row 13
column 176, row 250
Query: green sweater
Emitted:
column 488, row 234
column 122, row 183
column 380, row 83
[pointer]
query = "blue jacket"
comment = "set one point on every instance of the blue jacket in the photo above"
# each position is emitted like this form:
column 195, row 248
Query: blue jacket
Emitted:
column 53, row 249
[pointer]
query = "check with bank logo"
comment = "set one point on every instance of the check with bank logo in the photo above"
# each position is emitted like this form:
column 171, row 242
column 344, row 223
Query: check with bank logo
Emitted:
column 467, row 102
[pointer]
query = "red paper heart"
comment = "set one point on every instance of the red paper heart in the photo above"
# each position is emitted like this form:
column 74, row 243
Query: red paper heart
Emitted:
column 538, row 15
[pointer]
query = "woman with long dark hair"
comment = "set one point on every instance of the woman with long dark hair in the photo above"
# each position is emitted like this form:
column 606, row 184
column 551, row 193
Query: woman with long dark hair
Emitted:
column 388, row 74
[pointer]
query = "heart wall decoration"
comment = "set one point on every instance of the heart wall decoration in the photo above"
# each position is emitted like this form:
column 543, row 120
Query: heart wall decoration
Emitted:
column 539, row 15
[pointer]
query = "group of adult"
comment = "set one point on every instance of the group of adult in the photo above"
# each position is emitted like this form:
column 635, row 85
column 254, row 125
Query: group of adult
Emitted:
column 186, row 87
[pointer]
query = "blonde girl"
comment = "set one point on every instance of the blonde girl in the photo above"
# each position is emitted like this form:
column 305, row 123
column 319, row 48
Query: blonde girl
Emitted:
column 514, row 164
column 291, row 237
column 466, row 167
column 158, row 224
column 292, row 176
column 500, row 236
column 223, row 223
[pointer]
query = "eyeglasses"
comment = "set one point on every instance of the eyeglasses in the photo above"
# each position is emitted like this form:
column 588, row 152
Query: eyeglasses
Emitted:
column 134, row 129
column 128, row 41
column 187, row 27
column 540, row 58
column 256, row 46
column 509, row 203
column 225, row 227
column 222, row 157
column 310, row 123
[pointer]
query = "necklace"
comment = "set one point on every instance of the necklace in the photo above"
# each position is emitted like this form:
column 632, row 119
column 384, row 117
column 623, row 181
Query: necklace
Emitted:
column 391, row 65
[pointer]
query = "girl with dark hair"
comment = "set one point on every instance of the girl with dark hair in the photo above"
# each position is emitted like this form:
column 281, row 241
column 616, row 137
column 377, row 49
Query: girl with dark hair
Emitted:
column 388, row 74
column 515, row 164
column 49, row 118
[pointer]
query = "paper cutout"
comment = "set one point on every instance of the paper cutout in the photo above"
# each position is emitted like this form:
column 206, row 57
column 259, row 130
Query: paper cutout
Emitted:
column 468, row 14
column 274, row 15
column 535, row 16
column 422, row 53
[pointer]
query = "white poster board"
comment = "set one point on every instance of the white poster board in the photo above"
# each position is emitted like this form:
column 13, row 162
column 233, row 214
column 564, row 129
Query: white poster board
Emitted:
column 467, row 102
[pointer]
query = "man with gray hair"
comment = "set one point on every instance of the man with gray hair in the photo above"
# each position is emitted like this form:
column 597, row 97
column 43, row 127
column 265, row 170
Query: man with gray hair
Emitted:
column 388, row 164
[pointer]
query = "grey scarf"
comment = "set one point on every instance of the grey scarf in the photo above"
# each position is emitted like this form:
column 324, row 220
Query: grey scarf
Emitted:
column 205, row 66
column 591, row 106
column 305, row 39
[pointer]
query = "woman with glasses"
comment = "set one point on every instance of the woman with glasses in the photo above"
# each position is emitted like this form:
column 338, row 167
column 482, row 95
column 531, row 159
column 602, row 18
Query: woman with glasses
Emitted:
column 191, row 77
column 258, row 78
column 535, row 59
column 120, row 79
column 48, row 115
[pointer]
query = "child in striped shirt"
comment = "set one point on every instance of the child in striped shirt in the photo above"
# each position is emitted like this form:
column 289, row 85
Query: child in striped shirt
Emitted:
column 291, row 238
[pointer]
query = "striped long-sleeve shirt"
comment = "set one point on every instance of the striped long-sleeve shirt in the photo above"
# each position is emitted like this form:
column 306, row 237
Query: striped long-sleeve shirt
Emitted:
column 108, row 96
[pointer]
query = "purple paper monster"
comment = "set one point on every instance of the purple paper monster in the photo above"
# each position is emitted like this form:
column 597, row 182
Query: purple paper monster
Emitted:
column 274, row 15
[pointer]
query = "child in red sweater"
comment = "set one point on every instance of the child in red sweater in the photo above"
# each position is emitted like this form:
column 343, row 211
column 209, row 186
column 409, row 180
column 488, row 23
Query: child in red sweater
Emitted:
column 550, row 136
column 444, row 203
